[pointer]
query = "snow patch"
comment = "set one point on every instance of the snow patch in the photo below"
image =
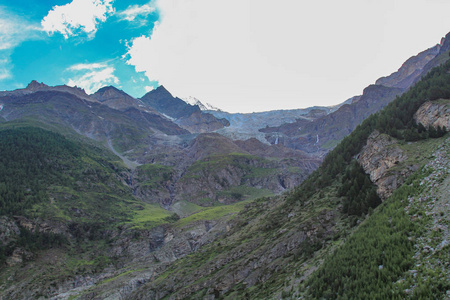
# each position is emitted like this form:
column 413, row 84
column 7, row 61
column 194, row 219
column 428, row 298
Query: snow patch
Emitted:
column 168, row 117
column 1, row 107
column 203, row 106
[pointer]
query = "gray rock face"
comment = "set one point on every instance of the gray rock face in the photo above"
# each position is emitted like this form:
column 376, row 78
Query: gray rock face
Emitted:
column 434, row 114
column 410, row 69
column 378, row 159
column 163, row 101
column 200, row 122
column 17, row 257
column 8, row 230
column 44, row 226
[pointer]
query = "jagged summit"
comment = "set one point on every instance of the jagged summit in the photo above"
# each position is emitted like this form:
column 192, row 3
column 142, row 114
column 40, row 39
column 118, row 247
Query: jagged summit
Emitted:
column 118, row 99
column 159, row 91
column 163, row 101
column 34, row 86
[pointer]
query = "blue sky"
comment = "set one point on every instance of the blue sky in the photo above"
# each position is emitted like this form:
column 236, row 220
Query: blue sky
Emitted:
column 238, row 55
column 89, row 50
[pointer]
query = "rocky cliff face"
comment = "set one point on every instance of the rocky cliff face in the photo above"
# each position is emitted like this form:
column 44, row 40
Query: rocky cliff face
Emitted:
column 200, row 122
column 8, row 230
column 410, row 69
column 434, row 113
column 380, row 158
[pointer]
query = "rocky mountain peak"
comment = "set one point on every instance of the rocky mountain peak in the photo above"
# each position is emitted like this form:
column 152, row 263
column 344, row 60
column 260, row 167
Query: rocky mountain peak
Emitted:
column 116, row 98
column 445, row 43
column 110, row 91
column 162, row 100
column 36, row 86
column 159, row 91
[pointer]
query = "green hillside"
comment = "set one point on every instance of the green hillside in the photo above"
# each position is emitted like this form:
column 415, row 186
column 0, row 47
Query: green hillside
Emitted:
column 45, row 176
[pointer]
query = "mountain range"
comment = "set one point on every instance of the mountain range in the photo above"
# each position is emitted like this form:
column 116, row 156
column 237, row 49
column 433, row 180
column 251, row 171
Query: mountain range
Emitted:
column 106, row 196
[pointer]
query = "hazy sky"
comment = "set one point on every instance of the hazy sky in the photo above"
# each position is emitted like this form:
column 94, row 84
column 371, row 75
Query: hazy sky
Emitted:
column 238, row 55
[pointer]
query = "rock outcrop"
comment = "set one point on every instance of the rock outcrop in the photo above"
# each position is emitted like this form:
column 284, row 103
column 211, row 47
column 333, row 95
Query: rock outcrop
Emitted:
column 379, row 159
column 8, row 230
column 200, row 122
column 434, row 113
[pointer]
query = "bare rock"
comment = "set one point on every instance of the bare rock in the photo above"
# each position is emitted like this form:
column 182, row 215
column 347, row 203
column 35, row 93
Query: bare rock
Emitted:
column 378, row 158
column 434, row 113
column 18, row 256
column 8, row 230
column 44, row 226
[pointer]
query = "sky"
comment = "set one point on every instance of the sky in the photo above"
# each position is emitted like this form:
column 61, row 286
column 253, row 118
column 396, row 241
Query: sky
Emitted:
column 238, row 55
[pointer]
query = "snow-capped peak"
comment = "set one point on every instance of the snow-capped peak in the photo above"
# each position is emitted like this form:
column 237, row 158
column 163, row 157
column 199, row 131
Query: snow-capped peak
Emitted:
column 194, row 101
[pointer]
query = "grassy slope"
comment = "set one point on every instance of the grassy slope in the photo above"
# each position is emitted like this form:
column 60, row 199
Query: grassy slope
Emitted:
column 49, row 177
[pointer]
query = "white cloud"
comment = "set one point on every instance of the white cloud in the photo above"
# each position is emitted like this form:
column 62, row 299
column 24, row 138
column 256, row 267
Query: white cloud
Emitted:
column 92, row 77
column 136, row 12
column 247, row 55
column 15, row 30
column 148, row 89
column 5, row 66
column 77, row 17
column 93, row 66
